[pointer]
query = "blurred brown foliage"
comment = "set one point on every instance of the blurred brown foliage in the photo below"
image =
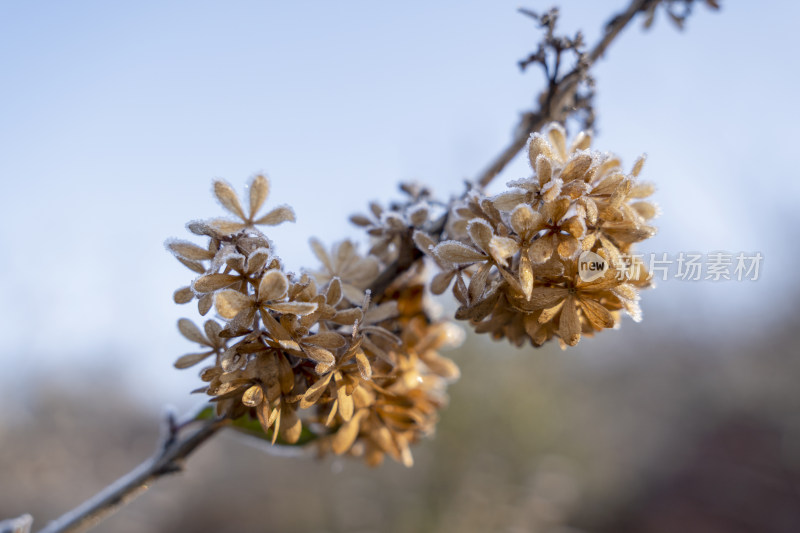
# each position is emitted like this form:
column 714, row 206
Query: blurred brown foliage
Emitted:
column 638, row 432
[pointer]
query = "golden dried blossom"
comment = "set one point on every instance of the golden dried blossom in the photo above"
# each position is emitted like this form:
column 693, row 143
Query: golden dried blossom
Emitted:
column 516, row 258
column 388, row 227
column 309, row 357
column 354, row 271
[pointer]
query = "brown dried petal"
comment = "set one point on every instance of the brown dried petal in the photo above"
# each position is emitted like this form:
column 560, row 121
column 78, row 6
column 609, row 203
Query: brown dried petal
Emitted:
column 502, row 248
column 538, row 146
column 506, row 201
column 334, row 293
column 547, row 314
column 441, row 366
column 315, row 391
column 363, row 365
column 348, row 317
column 190, row 359
column 212, row 330
column 322, row 254
column 235, row 262
column 646, row 210
column 569, row 325
column 441, row 281
column 576, row 167
column 424, row 242
column 460, row 290
column 558, row 139
column 477, row 283
column 525, row 221
column 191, row 332
column 273, row 286
column 259, row 191
column 418, row 215
column 627, row 292
column 326, row 339
column 361, row 220
column 582, row 141
column 568, row 246
column 320, row 355
column 277, row 216
column 457, row 253
column 188, row 250
column 590, row 208
column 608, row 184
column 204, row 303
column 481, row 233
column 344, row 438
column 184, row 295
column 599, row 317
column 381, row 312
column 544, row 170
column 253, row 396
column 526, row 275
column 227, row 197
column 555, row 210
column 285, row 373
column 345, row 403
column 214, row 282
column 230, row 303
column 345, row 252
column 194, row 266
column 638, row 164
column 293, row 308
column 275, row 417
column 257, row 259
column 541, row 249
column 292, row 427
column 544, row 297
column 642, row 189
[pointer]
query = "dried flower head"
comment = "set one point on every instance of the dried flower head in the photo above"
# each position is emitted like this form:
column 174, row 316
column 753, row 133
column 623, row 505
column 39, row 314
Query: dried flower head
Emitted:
column 516, row 258
column 310, row 357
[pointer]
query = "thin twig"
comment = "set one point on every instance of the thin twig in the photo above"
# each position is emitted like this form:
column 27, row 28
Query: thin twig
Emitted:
column 555, row 96
column 558, row 97
column 173, row 449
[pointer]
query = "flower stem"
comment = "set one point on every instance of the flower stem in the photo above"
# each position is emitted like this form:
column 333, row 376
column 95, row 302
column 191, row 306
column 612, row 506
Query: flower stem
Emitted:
column 177, row 443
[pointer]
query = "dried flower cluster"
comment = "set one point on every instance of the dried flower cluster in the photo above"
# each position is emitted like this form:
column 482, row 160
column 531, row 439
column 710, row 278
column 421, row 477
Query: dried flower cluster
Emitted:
column 310, row 352
column 360, row 373
column 515, row 256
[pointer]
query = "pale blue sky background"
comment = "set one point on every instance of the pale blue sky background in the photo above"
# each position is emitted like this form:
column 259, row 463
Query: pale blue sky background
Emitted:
column 114, row 119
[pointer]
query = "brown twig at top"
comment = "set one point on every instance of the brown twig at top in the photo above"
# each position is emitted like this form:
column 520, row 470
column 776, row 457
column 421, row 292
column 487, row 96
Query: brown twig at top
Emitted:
column 558, row 99
column 179, row 440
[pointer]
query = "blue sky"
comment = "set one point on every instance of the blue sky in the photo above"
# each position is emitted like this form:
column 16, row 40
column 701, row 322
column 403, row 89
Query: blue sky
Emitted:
column 114, row 119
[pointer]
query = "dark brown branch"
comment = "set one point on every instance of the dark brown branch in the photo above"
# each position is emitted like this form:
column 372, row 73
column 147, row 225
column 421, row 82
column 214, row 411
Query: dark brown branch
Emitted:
column 168, row 459
column 556, row 98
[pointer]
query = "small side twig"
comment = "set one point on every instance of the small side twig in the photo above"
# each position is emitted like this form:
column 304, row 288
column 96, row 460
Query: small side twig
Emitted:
column 560, row 97
column 176, row 444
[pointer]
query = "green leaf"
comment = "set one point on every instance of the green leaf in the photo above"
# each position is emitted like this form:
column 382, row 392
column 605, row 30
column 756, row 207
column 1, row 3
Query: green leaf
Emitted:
column 252, row 427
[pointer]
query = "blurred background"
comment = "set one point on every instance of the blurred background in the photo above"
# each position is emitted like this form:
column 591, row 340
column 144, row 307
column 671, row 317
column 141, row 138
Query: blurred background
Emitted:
column 115, row 118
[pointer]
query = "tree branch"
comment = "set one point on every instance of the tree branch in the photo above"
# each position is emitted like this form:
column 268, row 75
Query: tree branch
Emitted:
column 556, row 98
column 178, row 442
column 173, row 449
